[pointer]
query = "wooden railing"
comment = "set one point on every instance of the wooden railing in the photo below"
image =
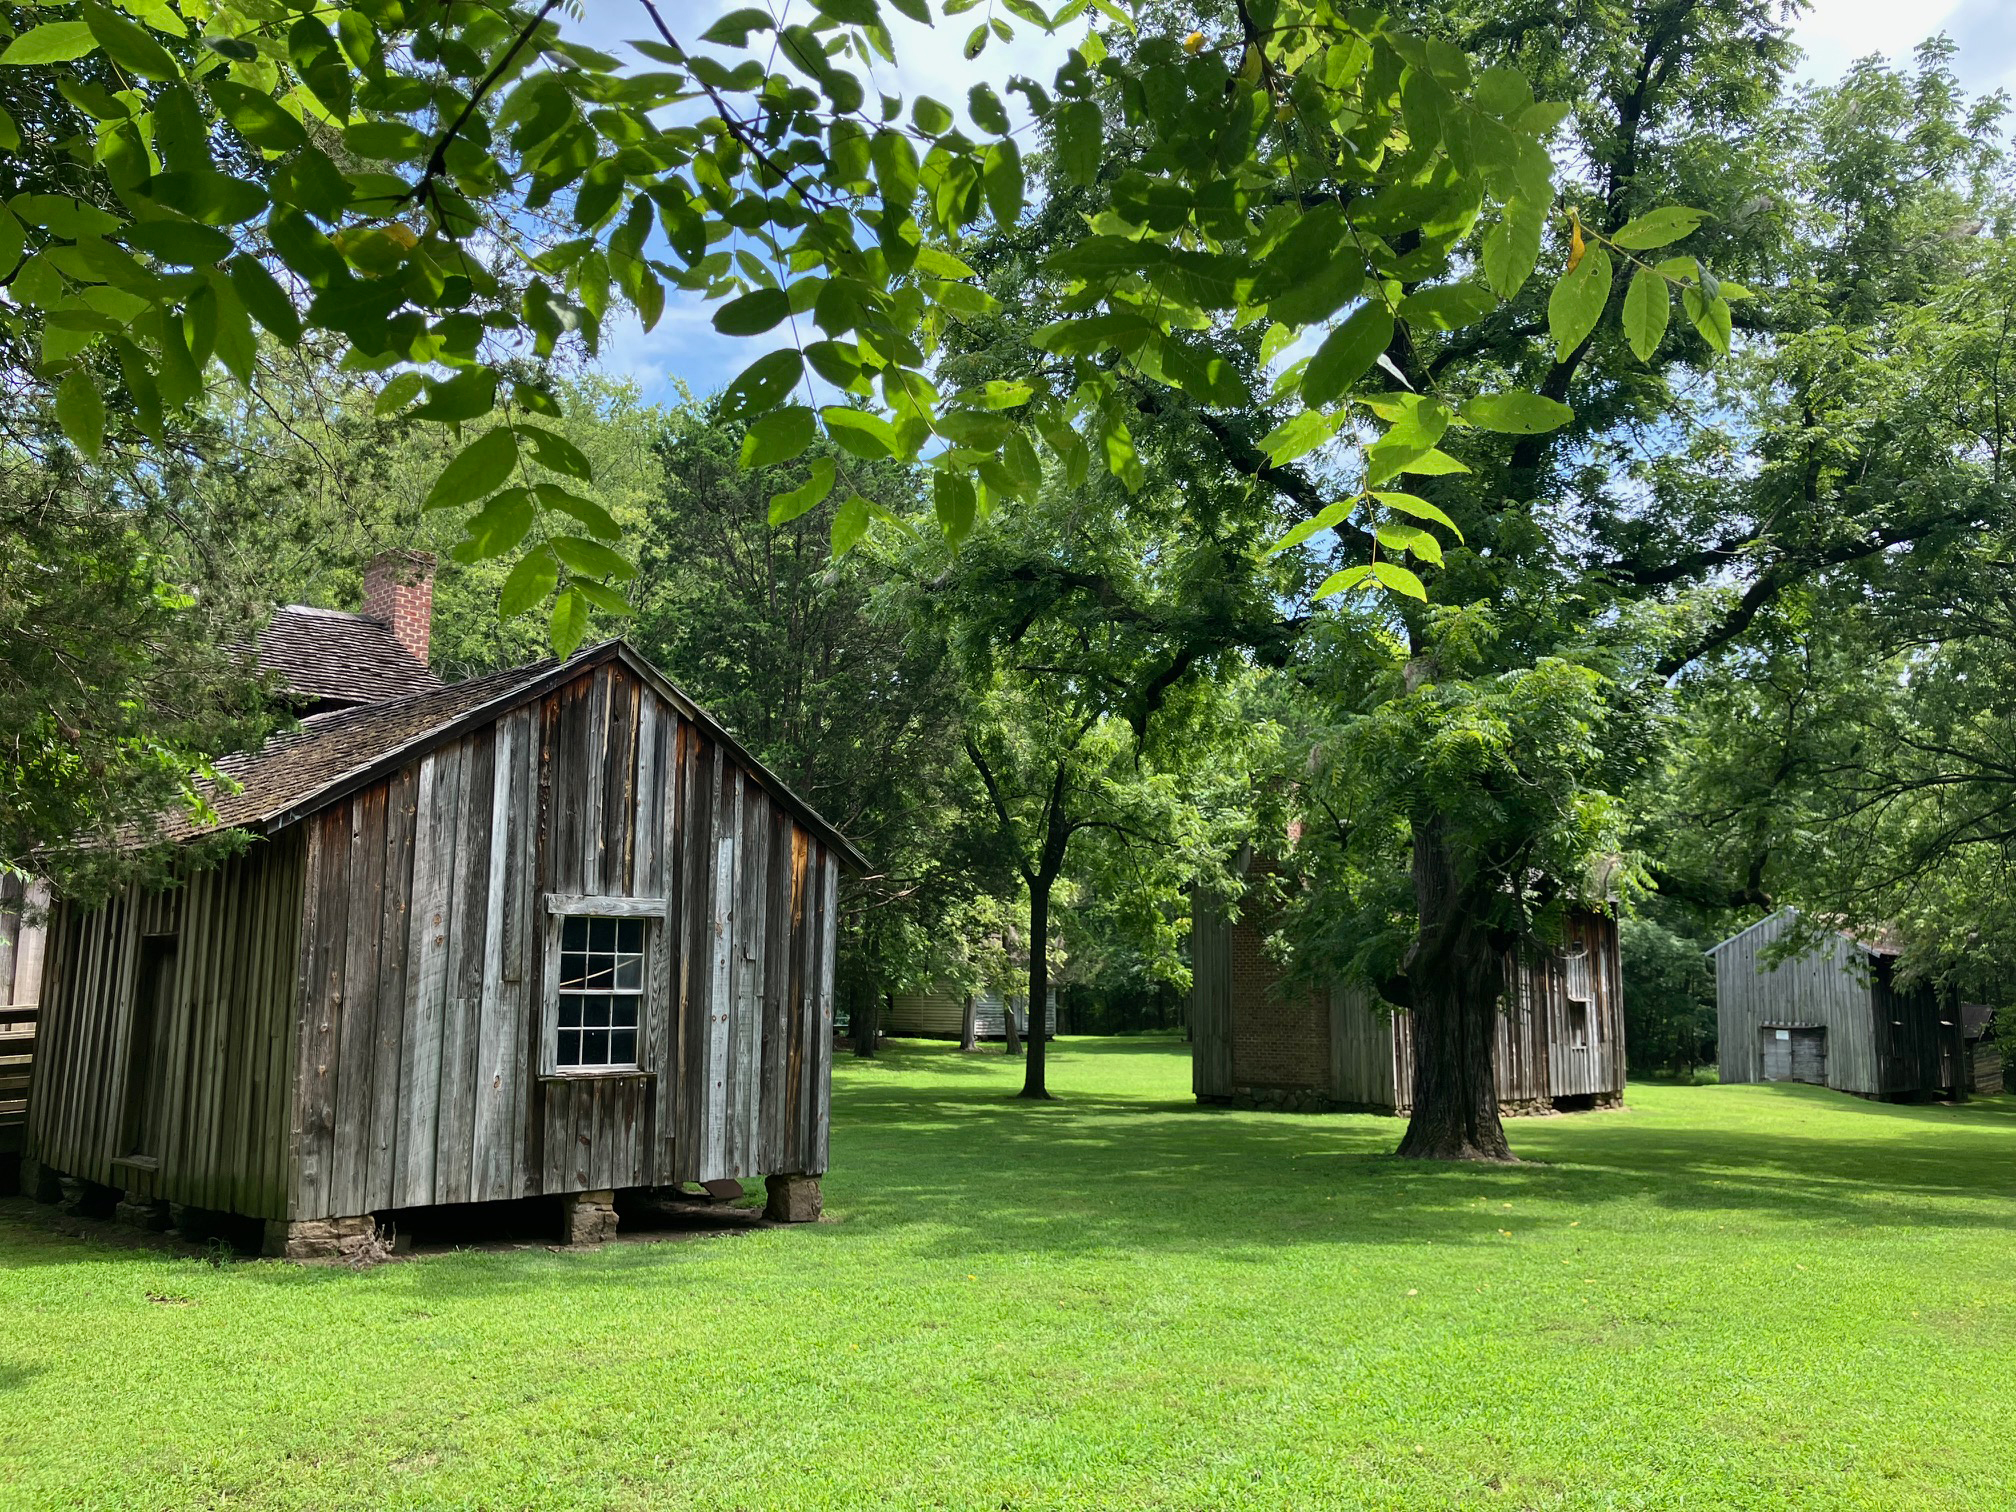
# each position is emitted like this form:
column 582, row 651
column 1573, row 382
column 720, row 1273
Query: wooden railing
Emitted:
column 17, row 1055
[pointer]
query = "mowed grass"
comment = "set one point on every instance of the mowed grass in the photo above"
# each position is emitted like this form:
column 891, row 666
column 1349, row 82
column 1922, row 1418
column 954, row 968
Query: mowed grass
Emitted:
column 1722, row 1297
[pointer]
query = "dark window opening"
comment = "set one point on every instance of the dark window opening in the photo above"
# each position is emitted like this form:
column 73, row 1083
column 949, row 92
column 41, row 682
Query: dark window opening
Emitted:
column 601, row 993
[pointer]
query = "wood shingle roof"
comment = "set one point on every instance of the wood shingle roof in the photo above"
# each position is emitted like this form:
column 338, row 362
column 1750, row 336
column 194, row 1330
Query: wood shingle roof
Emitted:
column 331, row 657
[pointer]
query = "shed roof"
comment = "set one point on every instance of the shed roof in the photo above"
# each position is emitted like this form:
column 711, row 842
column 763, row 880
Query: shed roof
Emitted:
column 331, row 755
column 342, row 658
column 1884, row 942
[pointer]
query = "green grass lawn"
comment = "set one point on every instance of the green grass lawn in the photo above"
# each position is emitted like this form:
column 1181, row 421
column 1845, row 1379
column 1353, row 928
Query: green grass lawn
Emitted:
column 1722, row 1297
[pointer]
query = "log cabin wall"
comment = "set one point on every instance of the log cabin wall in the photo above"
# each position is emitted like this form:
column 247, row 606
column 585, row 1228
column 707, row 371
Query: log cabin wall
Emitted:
column 429, row 954
column 167, row 1036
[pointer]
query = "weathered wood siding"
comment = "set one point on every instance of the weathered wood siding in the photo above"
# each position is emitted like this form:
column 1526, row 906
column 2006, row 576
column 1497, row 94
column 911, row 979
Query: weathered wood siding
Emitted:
column 24, row 933
column 426, row 962
column 1210, row 997
column 219, row 1058
column 1880, row 1042
column 942, row 1015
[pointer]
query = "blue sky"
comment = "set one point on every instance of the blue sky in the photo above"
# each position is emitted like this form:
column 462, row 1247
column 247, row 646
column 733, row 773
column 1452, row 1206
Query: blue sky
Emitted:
column 684, row 346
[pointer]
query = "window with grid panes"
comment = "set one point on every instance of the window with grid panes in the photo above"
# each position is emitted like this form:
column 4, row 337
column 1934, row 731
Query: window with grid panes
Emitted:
column 601, row 993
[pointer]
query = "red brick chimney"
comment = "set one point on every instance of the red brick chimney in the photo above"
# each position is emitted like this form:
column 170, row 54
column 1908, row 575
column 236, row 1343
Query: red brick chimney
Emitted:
column 399, row 592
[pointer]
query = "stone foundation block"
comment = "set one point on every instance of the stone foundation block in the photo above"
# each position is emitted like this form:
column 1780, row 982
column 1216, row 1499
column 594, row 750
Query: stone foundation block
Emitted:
column 43, row 1183
column 793, row 1199
column 88, row 1199
column 319, row 1238
column 588, row 1217
column 149, row 1213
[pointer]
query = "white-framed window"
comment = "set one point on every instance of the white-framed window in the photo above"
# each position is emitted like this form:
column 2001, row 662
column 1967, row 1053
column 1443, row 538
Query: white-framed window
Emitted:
column 597, row 1008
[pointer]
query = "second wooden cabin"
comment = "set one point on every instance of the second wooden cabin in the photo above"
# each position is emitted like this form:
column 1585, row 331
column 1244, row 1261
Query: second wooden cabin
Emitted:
column 1260, row 1039
column 550, row 932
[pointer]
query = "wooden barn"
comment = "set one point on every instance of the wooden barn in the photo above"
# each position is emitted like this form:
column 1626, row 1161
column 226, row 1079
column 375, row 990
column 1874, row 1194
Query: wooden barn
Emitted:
column 546, row 933
column 942, row 1013
column 1261, row 1040
column 1836, row 1017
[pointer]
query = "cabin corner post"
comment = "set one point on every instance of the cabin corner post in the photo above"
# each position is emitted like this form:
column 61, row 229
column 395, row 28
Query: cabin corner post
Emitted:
column 793, row 1197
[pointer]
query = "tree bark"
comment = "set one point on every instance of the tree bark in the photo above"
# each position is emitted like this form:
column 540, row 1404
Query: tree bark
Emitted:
column 969, row 1027
column 865, row 1020
column 1455, row 976
column 1039, row 985
column 1012, row 1041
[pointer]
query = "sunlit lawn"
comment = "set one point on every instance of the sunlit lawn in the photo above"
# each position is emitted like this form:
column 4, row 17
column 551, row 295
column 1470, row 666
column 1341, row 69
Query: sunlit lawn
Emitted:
column 1722, row 1297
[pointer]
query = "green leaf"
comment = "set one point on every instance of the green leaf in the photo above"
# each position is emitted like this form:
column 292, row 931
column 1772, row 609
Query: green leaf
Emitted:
column 895, row 163
column 1648, row 305
column 762, row 384
column 1299, row 435
column 468, row 395
column 478, row 469
column 51, row 42
column 1409, row 538
column 528, row 583
column 1078, row 128
column 80, row 410
column 257, row 117
column 498, row 526
column 271, row 305
column 1658, row 227
column 214, row 198
column 1512, row 247
column 1577, row 301
column 1434, row 464
column 779, row 436
column 1004, row 393
column 569, row 623
column 1341, row 582
column 954, row 502
column 1516, row 413
column 590, row 558
column 180, row 241
column 1348, row 353
column 1710, row 316
column 1001, row 181
column 1323, row 519
column 552, row 450
column 1421, row 509
column 128, row 45
column 598, row 520
column 754, row 313
column 861, row 433
column 786, row 507
column 1447, row 307
column 850, row 523
column 1400, row 580
column 397, row 394
column 733, row 29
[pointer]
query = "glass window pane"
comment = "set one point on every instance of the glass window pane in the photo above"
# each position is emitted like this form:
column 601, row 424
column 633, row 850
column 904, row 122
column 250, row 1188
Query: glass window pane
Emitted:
column 601, row 974
column 630, row 936
column 594, row 1047
column 570, row 1012
column 602, row 934
column 574, row 933
column 570, row 1047
column 623, row 1048
column 595, row 1012
column 625, row 1016
column 629, row 972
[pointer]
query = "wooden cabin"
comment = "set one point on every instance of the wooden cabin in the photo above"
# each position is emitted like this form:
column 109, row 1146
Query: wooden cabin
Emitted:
column 941, row 1014
column 1836, row 1016
column 1260, row 1039
column 547, row 933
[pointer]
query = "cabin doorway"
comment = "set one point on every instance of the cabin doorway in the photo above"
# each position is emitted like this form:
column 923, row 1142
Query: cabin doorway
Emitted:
column 146, row 1050
column 1796, row 1054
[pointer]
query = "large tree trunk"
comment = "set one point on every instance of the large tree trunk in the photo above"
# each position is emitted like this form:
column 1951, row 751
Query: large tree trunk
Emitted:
column 1455, row 974
column 865, row 1019
column 969, row 1027
column 1039, row 986
column 1011, row 1037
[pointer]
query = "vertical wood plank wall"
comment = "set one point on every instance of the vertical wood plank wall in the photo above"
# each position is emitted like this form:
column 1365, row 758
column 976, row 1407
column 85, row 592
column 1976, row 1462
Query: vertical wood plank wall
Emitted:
column 24, row 932
column 228, row 1045
column 419, row 1078
column 1879, row 1042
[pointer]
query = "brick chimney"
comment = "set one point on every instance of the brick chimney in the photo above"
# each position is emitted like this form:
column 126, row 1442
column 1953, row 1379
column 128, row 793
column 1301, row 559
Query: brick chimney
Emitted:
column 399, row 592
